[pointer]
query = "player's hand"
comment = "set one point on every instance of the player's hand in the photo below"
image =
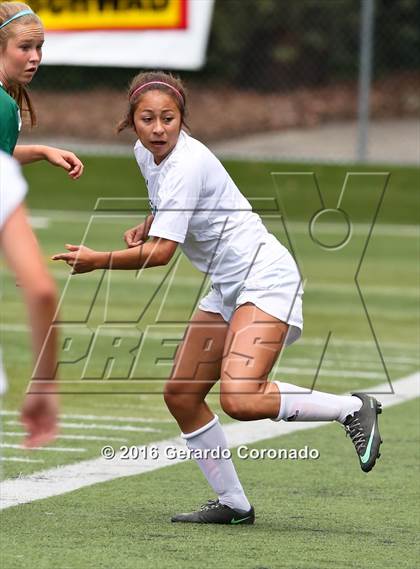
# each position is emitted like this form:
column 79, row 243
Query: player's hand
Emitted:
column 40, row 414
column 135, row 236
column 82, row 259
column 64, row 159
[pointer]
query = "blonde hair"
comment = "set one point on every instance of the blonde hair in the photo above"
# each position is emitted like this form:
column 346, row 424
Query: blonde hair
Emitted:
column 152, row 81
column 17, row 91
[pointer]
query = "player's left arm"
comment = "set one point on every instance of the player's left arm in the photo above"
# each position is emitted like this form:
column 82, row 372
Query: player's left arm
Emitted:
column 156, row 252
column 27, row 153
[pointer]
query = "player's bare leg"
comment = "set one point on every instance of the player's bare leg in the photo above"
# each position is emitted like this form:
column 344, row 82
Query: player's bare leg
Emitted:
column 253, row 343
column 196, row 369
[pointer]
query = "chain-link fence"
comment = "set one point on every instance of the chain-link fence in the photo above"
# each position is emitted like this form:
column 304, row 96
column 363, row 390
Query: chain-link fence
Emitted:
column 271, row 65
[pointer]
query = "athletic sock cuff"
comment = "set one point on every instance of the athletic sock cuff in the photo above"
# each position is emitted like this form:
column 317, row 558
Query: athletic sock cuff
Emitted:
column 201, row 430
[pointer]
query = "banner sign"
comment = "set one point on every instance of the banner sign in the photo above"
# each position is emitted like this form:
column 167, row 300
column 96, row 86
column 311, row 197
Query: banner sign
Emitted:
column 166, row 34
column 89, row 15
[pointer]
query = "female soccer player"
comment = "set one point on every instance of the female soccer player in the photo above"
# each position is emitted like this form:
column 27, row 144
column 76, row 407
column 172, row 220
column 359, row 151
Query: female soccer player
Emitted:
column 252, row 310
column 21, row 40
column 21, row 251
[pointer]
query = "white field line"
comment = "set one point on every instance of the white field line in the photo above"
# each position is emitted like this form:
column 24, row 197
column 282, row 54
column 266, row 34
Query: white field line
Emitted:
column 52, row 449
column 193, row 282
column 98, row 426
column 284, row 369
column 379, row 229
column 360, row 362
column 299, row 371
column 63, row 479
column 101, row 417
column 20, row 459
column 155, row 397
column 71, row 437
column 320, row 341
column 38, row 222
column 196, row 282
column 329, row 372
column 308, row 341
column 143, row 400
column 121, row 419
column 132, row 279
column 383, row 229
column 314, row 341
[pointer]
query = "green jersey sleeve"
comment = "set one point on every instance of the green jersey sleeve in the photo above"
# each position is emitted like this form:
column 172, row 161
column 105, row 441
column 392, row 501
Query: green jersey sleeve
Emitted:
column 9, row 122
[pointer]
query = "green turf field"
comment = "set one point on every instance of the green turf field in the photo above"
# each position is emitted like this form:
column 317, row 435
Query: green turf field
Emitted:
column 310, row 514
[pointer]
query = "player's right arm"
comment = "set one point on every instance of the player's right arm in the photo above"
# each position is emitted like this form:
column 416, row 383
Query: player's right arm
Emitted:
column 155, row 253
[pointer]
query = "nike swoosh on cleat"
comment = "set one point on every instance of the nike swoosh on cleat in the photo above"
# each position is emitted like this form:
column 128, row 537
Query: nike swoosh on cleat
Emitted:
column 366, row 455
column 239, row 521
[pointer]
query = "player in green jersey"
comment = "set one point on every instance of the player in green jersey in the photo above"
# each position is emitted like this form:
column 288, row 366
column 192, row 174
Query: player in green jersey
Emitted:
column 21, row 40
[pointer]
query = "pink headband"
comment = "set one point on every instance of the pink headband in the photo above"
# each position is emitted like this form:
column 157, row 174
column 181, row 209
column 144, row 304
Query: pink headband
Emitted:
column 157, row 83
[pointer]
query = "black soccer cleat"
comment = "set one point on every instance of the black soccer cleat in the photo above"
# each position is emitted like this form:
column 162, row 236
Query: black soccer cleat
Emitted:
column 213, row 512
column 362, row 427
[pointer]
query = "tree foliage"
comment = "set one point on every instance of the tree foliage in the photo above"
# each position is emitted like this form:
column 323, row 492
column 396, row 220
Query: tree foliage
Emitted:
column 283, row 43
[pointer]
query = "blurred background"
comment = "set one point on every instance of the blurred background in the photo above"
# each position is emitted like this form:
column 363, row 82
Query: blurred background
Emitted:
column 281, row 80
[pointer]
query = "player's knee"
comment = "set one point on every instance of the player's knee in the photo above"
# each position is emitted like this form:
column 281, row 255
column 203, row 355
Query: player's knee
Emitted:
column 43, row 291
column 235, row 406
column 169, row 394
column 175, row 399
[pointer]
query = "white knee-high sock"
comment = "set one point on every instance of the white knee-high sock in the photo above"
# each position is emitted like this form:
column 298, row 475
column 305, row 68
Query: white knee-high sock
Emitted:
column 220, row 472
column 300, row 404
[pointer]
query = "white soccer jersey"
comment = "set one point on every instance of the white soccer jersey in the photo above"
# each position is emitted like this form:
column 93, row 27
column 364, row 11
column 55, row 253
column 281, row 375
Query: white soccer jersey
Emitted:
column 13, row 187
column 196, row 203
column 12, row 192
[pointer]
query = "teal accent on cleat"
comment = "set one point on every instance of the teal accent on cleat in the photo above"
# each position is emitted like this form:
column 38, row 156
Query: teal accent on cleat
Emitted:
column 363, row 429
column 213, row 512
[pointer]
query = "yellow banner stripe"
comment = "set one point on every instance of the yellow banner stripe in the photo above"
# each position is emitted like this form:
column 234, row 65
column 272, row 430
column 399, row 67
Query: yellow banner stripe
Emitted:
column 73, row 15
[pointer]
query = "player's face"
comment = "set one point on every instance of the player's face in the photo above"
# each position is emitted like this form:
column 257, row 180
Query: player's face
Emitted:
column 157, row 122
column 22, row 55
